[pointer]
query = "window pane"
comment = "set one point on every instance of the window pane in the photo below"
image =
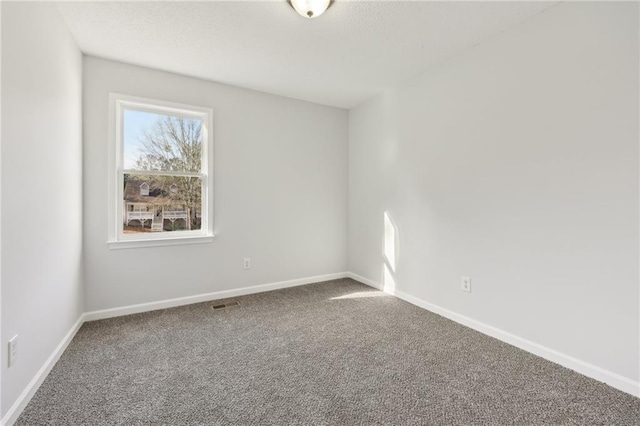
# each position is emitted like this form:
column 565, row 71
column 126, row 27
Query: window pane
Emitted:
column 161, row 203
column 161, row 142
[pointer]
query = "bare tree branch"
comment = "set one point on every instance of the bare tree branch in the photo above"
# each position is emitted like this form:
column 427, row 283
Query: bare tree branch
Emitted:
column 175, row 144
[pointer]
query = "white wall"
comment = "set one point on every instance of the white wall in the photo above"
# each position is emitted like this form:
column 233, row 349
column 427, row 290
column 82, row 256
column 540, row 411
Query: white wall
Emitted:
column 41, row 188
column 515, row 163
column 280, row 198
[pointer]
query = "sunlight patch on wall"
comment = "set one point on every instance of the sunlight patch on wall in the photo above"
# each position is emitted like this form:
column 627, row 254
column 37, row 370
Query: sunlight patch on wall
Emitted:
column 389, row 280
column 390, row 236
column 390, row 253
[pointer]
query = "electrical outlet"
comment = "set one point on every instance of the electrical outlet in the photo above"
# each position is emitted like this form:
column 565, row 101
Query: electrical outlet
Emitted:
column 246, row 263
column 465, row 284
column 13, row 350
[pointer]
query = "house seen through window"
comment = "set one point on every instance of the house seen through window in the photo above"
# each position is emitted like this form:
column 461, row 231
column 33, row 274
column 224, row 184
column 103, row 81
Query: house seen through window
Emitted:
column 163, row 172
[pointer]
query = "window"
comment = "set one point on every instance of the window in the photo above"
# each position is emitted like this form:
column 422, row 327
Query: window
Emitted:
column 160, row 178
column 144, row 189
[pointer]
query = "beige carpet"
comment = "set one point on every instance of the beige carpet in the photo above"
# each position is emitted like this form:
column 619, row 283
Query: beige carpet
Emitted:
column 334, row 353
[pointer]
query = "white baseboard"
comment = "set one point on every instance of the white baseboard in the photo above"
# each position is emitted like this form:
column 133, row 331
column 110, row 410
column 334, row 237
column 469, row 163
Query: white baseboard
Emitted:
column 615, row 380
column 366, row 281
column 188, row 300
column 612, row 379
column 26, row 395
column 24, row 398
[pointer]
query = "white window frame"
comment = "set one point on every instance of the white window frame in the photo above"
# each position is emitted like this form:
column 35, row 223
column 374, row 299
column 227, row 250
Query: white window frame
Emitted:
column 116, row 237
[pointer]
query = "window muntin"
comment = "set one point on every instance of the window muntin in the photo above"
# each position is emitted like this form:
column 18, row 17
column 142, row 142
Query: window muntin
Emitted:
column 162, row 178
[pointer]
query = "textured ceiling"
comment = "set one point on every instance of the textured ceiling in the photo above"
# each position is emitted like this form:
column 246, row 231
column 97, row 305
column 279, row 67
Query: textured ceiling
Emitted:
column 352, row 52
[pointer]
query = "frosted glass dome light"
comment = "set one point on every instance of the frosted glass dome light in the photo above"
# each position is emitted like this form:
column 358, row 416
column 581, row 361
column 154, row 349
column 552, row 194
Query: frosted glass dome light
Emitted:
column 310, row 8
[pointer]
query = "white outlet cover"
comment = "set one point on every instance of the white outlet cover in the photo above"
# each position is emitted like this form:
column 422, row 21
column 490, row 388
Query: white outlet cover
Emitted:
column 465, row 284
column 13, row 350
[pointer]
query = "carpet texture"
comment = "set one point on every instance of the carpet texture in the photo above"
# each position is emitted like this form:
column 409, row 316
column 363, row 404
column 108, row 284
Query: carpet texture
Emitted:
column 333, row 353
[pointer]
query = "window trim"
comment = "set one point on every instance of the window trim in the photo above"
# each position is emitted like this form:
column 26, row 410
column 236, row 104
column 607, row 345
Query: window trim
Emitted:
column 115, row 236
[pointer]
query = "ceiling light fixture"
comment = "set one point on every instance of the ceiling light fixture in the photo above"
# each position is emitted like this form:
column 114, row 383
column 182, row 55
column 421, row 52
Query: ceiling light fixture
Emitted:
column 310, row 8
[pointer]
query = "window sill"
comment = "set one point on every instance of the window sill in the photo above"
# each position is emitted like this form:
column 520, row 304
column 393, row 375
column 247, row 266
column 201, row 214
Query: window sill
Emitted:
column 179, row 241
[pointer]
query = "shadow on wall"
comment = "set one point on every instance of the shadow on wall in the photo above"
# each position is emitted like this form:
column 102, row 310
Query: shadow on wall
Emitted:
column 390, row 253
